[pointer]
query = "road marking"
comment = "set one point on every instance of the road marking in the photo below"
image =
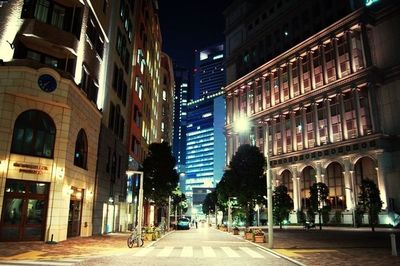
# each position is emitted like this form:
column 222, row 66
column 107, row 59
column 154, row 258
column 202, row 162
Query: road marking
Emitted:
column 230, row 252
column 143, row 252
column 208, row 252
column 187, row 252
column 252, row 253
column 165, row 252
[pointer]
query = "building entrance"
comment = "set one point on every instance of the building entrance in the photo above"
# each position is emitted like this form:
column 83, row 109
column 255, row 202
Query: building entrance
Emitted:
column 75, row 213
column 24, row 211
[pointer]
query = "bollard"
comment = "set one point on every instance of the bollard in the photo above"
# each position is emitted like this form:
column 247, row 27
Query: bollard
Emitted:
column 393, row 244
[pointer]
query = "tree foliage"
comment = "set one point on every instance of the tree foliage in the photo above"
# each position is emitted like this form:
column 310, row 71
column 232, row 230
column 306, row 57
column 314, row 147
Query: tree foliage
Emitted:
column 370, row 202
column 244, row 179
column 209, row 203
column 282, row 204
column 319, row 193
column 160, row 176
column 179, row 202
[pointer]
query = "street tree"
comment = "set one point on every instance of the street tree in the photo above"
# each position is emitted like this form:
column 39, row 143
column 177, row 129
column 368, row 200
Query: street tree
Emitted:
column 282, row 204
column 318, row 200
column 245, row 179
column 179, row 202
column 209, row 203
column 370, row 202
column 160, row 176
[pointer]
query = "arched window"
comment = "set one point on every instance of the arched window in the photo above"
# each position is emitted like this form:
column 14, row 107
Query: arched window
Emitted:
column 307, row 179
column 81, row 147
column 286, row 180
column 34, row 134
column 335, row 181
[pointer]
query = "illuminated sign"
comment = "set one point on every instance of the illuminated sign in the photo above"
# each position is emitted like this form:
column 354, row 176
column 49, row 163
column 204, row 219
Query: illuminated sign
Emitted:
column 370, row 2
column 31, row 168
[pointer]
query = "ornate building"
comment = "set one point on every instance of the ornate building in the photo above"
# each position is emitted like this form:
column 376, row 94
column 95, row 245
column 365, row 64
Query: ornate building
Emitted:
column 51, row 73
column 328, row 109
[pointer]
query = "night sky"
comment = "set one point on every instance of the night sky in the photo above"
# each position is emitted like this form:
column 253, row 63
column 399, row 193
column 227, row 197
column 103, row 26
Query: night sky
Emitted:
column 188, row 25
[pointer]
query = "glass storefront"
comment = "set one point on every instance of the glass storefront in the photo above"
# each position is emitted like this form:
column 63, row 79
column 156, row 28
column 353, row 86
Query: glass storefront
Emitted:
column 24, row 210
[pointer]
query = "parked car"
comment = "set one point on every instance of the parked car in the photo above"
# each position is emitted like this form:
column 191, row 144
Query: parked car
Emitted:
column 183, row 224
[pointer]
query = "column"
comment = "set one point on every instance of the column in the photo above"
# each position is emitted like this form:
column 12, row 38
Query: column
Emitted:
column 255, row 96
column 236, row 106
column 271, row 91
column 290, row 80
column 365, row 46
column 256, row 135
column 295, row 194
column 343, row 123
column 337, row 62
column 329, row 120
column 347, row 185
column 372, row 107
column 350, row 49
column 283, row 132
column 356, row 97
column 385, row 165
column 274, row 144
column 248, row 107
column 266, row 139
column 228, row 149
column 300, row 72
column 316, row 124
column 324, row 71
column 293, row 130
column 229, row 110
column 312, row 72
column 237, row 143
column 319, row 172
column 263, row 93
column 281, row 92
column 239, row 98
column 304, row 127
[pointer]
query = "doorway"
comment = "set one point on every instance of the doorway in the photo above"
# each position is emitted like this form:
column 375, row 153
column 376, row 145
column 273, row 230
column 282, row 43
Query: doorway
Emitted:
column 24, row 210
column 75, row 212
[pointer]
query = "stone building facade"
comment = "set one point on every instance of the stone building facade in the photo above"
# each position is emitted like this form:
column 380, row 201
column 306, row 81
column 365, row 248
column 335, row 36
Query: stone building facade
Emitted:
column 328, row 109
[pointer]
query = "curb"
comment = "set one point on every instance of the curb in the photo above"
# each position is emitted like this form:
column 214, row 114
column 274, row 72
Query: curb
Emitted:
column 268, row 250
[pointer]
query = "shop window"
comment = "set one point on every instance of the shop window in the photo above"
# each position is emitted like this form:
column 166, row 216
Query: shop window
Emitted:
column 81, row 148
column 34, row 134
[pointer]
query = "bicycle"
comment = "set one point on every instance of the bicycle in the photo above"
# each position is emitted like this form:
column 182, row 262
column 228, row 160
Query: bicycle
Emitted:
column 134, row 238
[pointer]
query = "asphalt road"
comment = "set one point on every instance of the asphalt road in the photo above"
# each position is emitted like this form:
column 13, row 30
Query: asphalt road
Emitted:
column 203, row 246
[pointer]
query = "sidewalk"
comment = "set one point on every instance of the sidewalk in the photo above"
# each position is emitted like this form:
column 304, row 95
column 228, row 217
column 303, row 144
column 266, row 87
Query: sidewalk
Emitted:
column 336, row 246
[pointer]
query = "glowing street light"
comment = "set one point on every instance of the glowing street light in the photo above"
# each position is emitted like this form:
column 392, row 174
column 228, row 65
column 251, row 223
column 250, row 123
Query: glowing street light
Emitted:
column 241, row 125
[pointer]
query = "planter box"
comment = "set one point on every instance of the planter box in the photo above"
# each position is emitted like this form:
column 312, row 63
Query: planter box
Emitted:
column 248, row 236
column 259, row 239
column 235, row 232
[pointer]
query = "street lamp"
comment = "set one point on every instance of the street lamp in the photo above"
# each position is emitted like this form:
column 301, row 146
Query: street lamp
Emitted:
column 229, row 212
column 140, row 204
column 269, row 192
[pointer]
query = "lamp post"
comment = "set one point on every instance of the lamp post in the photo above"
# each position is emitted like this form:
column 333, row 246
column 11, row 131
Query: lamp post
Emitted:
column 229, row 213
column 269, row 191
column 140, row 204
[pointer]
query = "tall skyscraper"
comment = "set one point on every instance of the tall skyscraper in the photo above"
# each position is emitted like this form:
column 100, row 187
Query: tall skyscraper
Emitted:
column 181, row 91
column 205, row 142
column 209, row 74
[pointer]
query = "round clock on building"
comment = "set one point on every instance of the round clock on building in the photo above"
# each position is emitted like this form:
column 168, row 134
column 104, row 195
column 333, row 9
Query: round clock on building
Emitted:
column 47, row 83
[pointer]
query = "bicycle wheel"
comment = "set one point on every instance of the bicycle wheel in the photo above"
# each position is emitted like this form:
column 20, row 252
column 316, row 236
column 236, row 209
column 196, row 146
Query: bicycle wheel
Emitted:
column 130, row 242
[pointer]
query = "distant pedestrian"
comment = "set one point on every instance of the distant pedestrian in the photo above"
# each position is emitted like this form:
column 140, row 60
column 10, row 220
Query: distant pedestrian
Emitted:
column 195, row 223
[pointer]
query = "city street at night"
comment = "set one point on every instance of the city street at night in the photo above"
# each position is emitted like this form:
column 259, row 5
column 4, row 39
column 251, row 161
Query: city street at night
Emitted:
column 208, row 246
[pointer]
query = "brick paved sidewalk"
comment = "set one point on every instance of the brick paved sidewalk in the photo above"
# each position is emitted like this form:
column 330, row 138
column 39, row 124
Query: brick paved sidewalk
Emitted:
column 336, row 246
